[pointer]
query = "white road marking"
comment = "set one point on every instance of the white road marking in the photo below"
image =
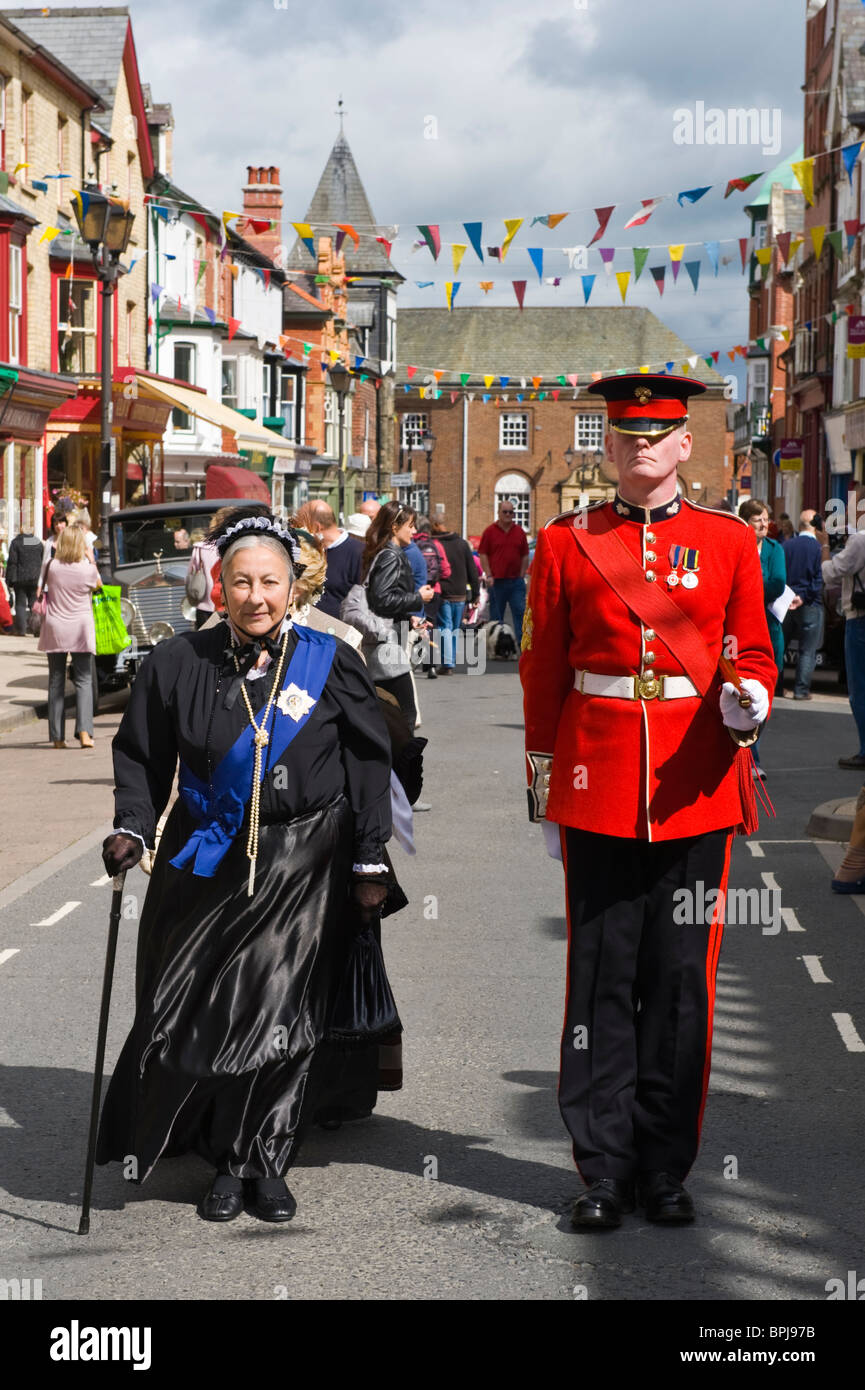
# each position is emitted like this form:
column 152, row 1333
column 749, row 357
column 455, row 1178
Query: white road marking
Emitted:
column 756, row 849
column 7, row 955
column 790, row 920
column 55, row 917
column 850, row 1037
column 101, row 882
column 771, row 882
column 815, row 970
column 6, row 1120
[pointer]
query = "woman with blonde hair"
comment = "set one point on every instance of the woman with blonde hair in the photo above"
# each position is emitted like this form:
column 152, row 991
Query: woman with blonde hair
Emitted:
column 68, row 628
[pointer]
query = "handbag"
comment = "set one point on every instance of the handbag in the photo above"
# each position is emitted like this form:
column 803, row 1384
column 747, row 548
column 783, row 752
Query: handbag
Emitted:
column 111, row 634
column 355, row 611
column 364, row 1009
column 857, row 596
column 196, row 578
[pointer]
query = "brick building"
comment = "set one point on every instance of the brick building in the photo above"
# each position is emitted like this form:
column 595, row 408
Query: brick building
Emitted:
column 517, row 443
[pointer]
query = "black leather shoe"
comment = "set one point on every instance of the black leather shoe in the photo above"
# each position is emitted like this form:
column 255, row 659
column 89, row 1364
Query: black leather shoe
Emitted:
column 270, row 1200
column 603, row 1205
column 223, row 1200
column 664, row 1198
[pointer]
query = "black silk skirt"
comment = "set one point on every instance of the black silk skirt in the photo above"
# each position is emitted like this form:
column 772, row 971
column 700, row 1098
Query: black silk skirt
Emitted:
column 226, row 1057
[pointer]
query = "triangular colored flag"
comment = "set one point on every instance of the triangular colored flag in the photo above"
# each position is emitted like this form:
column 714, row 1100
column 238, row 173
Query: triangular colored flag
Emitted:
column 622, row 278
column 38, row 183
column 464, row 379
column 155, row 292
column 744, row 250
column 233, row 325
column 474, row 232
column 649, row 206
column 536, row 381
column 424, row 284
column 199, row 273
column 852, row 226
column 348, row 230
column 503, row 381
column 739, row 185
column 659, row 273
column 708, row 361
column 713, row 251
column 211, row 314
column 512, row 226
column 834, row 240
column 451, row 289
column 804, row 173
column 486, row 285
column 588, row 284
column 783, row 240
column 555, row 395
column 693, row 269
column 763, row 254
column 488, row 381
column 715, row 355
column 603, row 215
column 49, row 234
column 795, row 244
column 470, row 395
column 438, row 374
column 550, row 219
column 19, row 166
column 340, row 238
column 410, row 371
column 691, row 195
column 386, row 244
column 495, row 252
column 519, row 291
column 761, row 344
column 640, row 254
column 669, row 366
column 607, row 255
column 458, row 250
column 573, row 378
column 67, row 274
column 484, row 398
column 304, row 231
column 850, row 153
column 536, row 255
column 430, row 234
column 563, row 379
column 676, row 254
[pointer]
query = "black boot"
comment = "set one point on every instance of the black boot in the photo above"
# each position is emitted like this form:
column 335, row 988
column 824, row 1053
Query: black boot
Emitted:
column 223, row 1200
column 664, row 1198
column 269, row 1199
column 604, row 1204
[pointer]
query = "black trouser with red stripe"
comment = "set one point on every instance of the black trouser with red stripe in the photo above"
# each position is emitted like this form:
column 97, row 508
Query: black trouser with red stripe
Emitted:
column 637, row 1038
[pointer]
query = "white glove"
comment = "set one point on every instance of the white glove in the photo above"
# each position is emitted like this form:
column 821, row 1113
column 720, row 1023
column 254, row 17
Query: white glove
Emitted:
column 552, row 839
column 744, row 719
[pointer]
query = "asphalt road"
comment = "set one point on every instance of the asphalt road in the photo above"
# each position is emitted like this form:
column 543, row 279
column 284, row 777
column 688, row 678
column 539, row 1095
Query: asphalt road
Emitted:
column 460, row 1185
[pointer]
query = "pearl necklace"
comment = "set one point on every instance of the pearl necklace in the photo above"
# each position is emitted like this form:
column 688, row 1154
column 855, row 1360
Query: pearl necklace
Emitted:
column 261, row 739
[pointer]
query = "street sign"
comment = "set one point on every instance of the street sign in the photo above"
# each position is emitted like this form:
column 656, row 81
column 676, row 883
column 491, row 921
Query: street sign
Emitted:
column 402, row 479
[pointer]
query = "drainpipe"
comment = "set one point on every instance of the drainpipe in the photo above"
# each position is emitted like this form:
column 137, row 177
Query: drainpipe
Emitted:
column 464, row 517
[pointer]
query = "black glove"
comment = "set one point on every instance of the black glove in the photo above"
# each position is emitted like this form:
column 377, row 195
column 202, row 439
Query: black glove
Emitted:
column 368, row 895
column 121, row 853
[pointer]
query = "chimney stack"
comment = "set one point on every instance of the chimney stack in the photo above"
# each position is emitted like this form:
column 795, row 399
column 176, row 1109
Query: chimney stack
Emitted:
column 262, row 200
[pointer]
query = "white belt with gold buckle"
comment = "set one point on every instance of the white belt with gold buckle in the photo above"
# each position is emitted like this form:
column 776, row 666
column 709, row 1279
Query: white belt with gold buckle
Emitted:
column 634, row 687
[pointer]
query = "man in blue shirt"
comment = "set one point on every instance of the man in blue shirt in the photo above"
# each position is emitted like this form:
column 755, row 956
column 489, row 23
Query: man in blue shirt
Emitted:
column 804, row 621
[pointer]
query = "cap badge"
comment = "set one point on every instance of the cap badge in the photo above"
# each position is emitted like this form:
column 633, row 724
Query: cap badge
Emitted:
column 643, row 394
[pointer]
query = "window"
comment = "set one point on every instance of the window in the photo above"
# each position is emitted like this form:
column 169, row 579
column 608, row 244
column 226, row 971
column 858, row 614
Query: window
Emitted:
column 513, row 487
column 184, row 370
column 76, row 326
column 289, row 397
column 26, row 125
column 589, row 430
column 15, row 303
column 759, row 382
column 761, row 235
column 331, row 424
column 265, row 389
column 513, row 430
column 414, row 427
column 229, row 382
column 130, row 330
column 62, row 151
column 2, row 121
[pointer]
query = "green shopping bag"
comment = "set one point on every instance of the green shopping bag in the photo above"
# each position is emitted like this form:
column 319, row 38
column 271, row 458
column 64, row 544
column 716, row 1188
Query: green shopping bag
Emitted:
column 111, row 634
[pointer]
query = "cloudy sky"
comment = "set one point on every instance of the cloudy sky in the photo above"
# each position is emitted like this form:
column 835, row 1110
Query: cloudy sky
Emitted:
column 538, row 107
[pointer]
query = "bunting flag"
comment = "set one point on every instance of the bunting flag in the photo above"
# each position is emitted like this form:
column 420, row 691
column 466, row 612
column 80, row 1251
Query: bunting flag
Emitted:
column 668, row 366
column 304, row 231
column 458, row 250
column 851, row 226
column 258, row 224
column 410, row 371
column 438, row 374
column 38, row 183
column 804, row 173
column 199, row 272
column 424, row 284
column 555, row 280
column 233, row 325
column 834, row 240
column 783, row 240
column 622, row 279
column 536, row 381
column 607, row 254
column 648, row 207
column 512, row 226
column 67, row 274
column 603, row 215
column 486, row 285
column 386, row 244
column 795, row 244
column 519, row 291
column 692, row 195
column 640, row 255
column 81, row 201
column 348, row 230
column 676, row 254
column 495, row 252
column 488, row 381
column 474, row 232
column 430, row 234
column 739, row 185
column 340, row 238
column 503, row 381
column 572, row 252
column 659, row 273
column 155, row 292
column 451, row 289
column 555, row 395
column 713, row 251
column 849, row 154
column 454, row 397
column 573, row 378
column 588, row 284
column 562, row 378
column 49, row 234
column 744, row 250
column 485, row 398
column 550, row 219
column 536, row 255
column 693, row 269
column 211, row 314
column 764, row 254
column 19, row 166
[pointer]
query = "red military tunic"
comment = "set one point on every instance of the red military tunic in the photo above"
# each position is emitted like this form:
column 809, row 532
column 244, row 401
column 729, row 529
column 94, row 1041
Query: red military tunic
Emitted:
column 647, row 769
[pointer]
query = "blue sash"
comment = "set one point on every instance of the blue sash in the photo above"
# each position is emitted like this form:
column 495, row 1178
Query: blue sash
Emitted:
column 218, row 809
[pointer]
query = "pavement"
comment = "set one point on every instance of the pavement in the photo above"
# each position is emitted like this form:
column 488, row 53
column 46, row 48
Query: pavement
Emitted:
column 460, row 1186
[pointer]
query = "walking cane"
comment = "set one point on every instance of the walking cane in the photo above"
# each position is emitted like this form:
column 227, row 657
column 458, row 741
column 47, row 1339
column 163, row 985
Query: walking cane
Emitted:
column 107, row 979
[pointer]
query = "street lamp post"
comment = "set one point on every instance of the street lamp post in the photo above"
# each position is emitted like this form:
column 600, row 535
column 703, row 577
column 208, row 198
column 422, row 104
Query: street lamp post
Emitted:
column 428, row 440
column 105, row 223
column 342, row 382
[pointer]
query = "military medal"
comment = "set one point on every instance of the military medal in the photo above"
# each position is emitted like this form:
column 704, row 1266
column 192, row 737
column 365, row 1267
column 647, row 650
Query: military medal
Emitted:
column 672, row 579
column 690, row 564
column 674, row 556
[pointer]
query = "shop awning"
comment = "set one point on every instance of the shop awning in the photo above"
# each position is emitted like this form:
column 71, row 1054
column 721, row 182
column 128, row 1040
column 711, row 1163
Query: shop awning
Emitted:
column 250, row 435
column 222, row 481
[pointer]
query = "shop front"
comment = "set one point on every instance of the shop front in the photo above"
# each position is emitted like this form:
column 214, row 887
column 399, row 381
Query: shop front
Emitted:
column 27, row 399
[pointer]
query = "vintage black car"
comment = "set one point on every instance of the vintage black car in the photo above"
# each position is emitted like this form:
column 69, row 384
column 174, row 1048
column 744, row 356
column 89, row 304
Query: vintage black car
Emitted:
column 151, row 547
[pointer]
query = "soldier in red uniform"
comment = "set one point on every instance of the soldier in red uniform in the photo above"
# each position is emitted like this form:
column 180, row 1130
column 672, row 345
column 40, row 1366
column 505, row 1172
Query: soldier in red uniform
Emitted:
column 638, row 766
